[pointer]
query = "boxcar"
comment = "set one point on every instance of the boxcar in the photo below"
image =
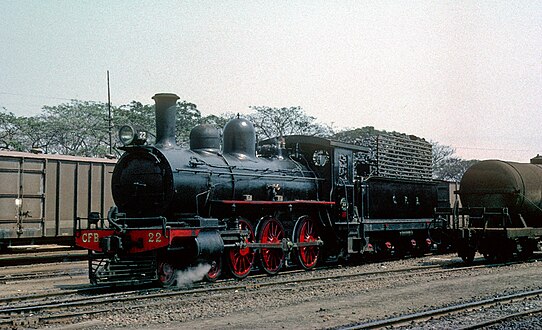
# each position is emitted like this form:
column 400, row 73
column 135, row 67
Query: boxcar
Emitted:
column 41, row 196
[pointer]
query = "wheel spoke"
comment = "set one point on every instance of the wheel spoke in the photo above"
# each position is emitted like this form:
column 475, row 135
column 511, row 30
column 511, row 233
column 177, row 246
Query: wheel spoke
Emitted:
column 271, row 232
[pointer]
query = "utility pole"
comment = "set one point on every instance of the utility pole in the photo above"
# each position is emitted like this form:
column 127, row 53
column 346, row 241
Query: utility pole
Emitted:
column 109, row 115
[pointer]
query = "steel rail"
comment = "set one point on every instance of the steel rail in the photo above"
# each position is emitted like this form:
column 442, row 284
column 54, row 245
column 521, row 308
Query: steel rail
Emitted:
column 37, row 275
column 502, row 319
column 202, row 287
column 420, row 316
column 118, row 289
column 14, row 319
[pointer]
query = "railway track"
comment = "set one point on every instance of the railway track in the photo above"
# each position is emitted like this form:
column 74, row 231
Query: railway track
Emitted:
column 210, row 287
column 411, row 319
column 70, row 304
column 5, row 279
column 30, row 257
column 481, row 325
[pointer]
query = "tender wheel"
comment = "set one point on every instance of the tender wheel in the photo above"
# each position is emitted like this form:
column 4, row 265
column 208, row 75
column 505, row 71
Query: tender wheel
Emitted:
column 240, row 260
column 305, row 231
column 166, row 274
column 525, row 249
column 216, row 270
column 468, row 255
column 490, row 257
column 270, row 231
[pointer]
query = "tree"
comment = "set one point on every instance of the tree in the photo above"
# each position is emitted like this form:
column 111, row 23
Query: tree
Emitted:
column 37, row 132
column 446, row 166
column 10, row 132
column 77, row 128
column 272, row 122
column 218, row 121
column 453, row 168
column 82, row 127
column 188, row 116
column 137, row 115
column 440, row 154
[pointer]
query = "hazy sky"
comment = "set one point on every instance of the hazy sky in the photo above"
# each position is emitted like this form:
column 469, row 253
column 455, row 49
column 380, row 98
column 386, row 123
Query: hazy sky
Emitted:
column 466, row 74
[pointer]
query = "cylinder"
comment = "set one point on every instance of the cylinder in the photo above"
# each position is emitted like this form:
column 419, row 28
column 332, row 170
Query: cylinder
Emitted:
column 165, row 110
column 209, row 243
column 500, row 184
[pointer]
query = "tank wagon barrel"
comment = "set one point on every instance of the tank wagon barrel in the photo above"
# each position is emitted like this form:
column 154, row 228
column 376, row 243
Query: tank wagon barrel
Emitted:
column 500, row 184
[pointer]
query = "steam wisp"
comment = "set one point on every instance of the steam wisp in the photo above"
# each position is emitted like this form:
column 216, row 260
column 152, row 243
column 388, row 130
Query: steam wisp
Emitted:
column 187, row 277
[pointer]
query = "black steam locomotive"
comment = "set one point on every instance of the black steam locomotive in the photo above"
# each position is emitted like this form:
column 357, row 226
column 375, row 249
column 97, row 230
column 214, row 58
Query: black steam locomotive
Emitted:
column 234, row 204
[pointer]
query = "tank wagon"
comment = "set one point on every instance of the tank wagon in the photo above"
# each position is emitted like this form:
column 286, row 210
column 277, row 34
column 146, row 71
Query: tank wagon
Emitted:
column 233, row 204
column 501, row 212
column 41, row 195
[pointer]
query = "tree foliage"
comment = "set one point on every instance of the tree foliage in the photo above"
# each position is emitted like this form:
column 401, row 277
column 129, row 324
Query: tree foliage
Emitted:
column 188, row 116
column 82, row 128
column 447, row 166
column 272, row 122
column 10, row 131
column 76, row 128
column 136, row 114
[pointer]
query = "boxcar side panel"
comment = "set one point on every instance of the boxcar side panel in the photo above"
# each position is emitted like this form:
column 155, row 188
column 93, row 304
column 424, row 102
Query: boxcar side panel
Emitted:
column 51, row 202
column 66, row 197
column 82, row 201
column 9, row 188
column 32, row 195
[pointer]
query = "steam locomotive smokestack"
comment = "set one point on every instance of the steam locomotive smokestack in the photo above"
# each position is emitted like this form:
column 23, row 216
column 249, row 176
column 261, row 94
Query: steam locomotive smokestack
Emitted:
column 165, row 110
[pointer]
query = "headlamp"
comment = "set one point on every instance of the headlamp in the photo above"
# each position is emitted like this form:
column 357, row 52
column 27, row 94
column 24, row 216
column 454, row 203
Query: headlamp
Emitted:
column 126, row 135
column 129, row 135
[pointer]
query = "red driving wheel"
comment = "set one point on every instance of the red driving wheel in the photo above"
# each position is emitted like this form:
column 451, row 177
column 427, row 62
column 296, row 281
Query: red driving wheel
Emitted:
column 166, row 274
column 306, row 232
column 241, row 259
column 270, row 231
column 216, row 270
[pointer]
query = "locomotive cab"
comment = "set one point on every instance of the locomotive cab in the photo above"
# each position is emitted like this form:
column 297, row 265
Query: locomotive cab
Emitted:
column 333, row 163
